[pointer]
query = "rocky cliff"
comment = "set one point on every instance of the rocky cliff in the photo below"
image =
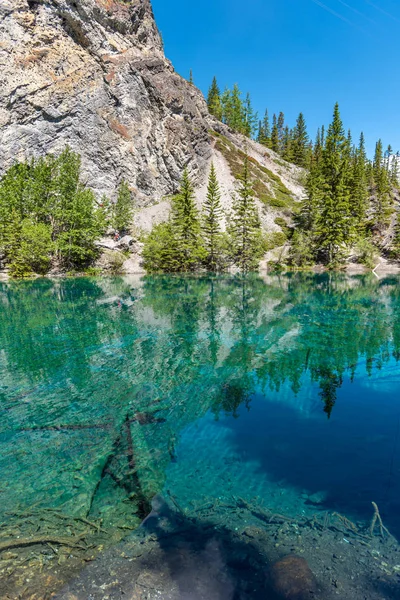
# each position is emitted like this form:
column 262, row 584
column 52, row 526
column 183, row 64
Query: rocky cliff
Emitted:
column 93, row 74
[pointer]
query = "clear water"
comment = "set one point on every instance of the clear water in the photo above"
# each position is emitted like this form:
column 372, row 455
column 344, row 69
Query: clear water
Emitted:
column 283, row 391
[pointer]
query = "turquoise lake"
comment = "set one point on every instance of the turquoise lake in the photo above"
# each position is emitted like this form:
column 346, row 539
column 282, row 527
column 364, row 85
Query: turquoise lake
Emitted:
column 275, row 392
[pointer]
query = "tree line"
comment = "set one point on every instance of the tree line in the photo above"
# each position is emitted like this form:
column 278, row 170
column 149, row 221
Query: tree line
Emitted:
column 48, row 216
column 350, row 201
column 191, row 240
column 229, row 107
column 291, row 143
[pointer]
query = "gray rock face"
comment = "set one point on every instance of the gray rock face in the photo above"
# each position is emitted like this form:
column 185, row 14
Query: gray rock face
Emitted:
column 92, row 74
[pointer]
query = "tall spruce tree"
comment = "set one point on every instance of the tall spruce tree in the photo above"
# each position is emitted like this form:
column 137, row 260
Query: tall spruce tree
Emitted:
column 314, row 186
column 323, row 136
column 260, row 135
column 226, row 107
column 383, row 200
column 359, row 188
column 212, row 213
column 250, row 118
column 245, row 226
column 334, row 225
column 281, row 132
column 275, row 135
column 287, row 145
column 122, row 212
column 214, row 100
column 388, row 157
column 394, row 171
column 267, row 130
column 300, row 142
column 186, row 228
column 237, row 116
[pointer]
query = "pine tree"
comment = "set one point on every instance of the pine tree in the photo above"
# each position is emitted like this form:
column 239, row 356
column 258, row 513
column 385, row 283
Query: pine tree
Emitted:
column 191, row 77
column 226, row 106
column 300, row 142
column 359, row 188
column 350, row 145
column 383, row 201
column 123, row 209
column 214, row 100
column 287, row 145
column 275, row 135
column 237, row 118
column 260, row 135
column 395, row 249
column 394, row 171
column 388, row 157
column 281, row 132
column 186, row 226
column 314, row 185
column 245, row 226
column 250, row 118
column 323, row 136
column 333, row 222
column 212, row 213
column 267, row 131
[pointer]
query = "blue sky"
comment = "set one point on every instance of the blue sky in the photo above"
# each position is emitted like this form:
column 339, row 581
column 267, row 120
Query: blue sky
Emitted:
column 295, row 55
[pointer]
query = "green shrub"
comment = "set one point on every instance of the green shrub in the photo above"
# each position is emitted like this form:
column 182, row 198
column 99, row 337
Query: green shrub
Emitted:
column 367, row 253
column 33, row 252
column 301, row 254
column 274, row 240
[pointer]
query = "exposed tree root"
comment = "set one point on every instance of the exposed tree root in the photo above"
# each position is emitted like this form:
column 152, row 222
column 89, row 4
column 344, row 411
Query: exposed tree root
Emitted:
column 375, row 518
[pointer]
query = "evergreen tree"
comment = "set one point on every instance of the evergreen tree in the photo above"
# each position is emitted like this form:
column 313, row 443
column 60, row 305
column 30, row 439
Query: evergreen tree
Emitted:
column 191, row 77
column 359, row 187
column 245, row 226
column 250, row 118
column 395, row 249
column 394, row 172
column 383, row 202
column 350, row 145
column 287, row 145
column 226, row 106
column 323, row 136
column 300, row 142
column 123, row 209
column 267, row 131
column 388, row 157
column 313, row 199
column 160, row 253
column 237, row 116
column 275, row 135
column 212, row 213
column 281, row 132
column 214, row 100
column 334, row 226
column 186, row 227
column 260, row 135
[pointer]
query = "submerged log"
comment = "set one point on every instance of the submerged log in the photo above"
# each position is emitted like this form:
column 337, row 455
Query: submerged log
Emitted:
column 72, row 542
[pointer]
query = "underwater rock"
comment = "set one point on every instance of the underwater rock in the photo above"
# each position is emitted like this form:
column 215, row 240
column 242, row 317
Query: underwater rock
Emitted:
column 292, row 579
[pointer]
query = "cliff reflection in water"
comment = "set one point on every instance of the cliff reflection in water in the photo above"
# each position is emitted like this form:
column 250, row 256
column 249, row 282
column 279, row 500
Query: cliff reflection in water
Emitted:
column 99, row 377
